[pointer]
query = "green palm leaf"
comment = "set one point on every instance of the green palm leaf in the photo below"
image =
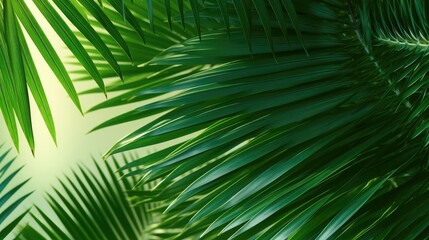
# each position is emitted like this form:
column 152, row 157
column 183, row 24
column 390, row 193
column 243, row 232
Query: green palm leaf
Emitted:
column 19, row 66
column 19, row 71
column 295, row 145
column 91, row 205
column 11, row 196
column 304, row 148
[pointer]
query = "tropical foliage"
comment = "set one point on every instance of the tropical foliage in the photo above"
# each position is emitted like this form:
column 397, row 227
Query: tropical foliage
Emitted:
column 19, row 72
column 11, row 194
column 91, row 205
column 272, row 119
column 295, row 145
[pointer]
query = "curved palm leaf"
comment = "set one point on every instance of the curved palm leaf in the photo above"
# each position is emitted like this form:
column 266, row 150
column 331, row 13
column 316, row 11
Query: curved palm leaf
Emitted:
column 18, row 69
column 11, row 196
column 308, row 147
column 164, row 38
column 92, row 205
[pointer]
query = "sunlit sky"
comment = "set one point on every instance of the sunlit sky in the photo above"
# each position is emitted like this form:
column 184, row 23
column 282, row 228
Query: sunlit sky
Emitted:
column 74, row 144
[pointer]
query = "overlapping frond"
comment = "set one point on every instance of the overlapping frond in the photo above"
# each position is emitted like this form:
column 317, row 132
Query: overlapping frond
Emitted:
column 91, row 205
column 11, row 195
column 18, row 70
column 325, row 145
column 306, row 147
column 400, row 47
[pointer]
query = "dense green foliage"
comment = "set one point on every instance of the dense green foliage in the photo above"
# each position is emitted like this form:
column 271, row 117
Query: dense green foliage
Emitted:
column 272, row 119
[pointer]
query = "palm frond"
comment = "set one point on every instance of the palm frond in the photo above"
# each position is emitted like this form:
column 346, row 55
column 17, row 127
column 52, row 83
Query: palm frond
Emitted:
column 309, row 147
column 11, row 196
column 164, row 38
column 247, row 11
column 29, row 233
column 19, row 72
column 91, row 205
column 400, row 43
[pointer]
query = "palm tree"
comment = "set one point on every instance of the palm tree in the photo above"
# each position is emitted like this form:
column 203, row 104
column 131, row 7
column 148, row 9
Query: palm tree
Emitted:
column 303, row 119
